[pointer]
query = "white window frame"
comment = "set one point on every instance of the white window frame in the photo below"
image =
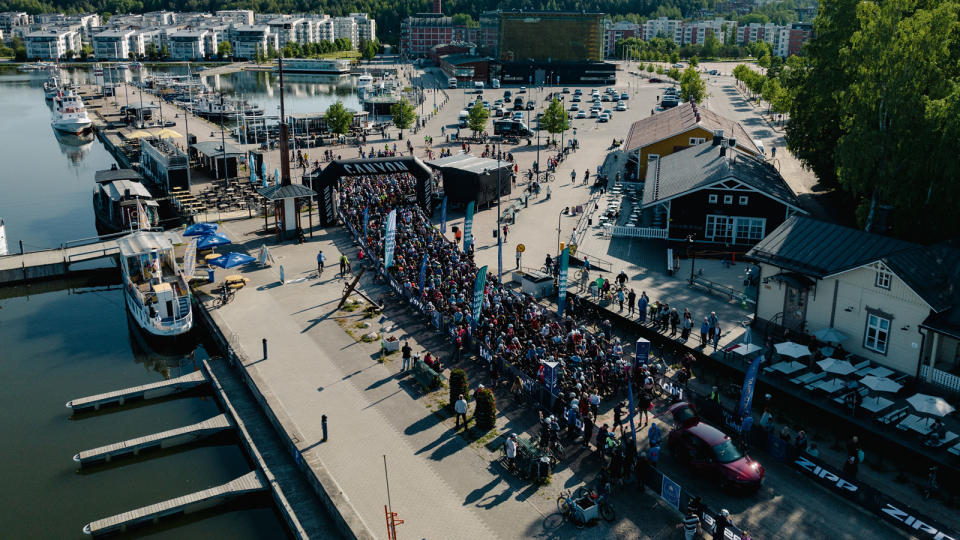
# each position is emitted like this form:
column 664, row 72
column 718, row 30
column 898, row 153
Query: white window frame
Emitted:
column 876, row 337
column 697, row 140
column 652, row 157
column 727, row 223
column 753, row 225
column 883, row 278
column 712, row 198
column 728, row 199
column 744, row 200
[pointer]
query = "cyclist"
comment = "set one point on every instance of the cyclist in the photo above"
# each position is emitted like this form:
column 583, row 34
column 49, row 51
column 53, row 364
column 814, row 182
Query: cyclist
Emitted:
column 344, row 265
column 321, row 259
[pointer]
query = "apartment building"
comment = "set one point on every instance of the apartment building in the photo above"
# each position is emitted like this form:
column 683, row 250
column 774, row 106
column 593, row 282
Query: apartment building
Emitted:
column 52, row 44
column 247, row 40
column 12, row 19
column 243, row 17
column 188, row 44
column 366, row 26
column 663, row 27
column 618, row 31
column 346, row 27
column 112, row 44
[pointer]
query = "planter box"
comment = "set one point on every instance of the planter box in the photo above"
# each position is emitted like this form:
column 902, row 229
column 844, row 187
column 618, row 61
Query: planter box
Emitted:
column 390, row 346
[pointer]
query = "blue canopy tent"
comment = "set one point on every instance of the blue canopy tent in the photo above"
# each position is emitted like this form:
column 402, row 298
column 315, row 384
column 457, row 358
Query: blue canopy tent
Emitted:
column 200, row 229
column 212, row 240
column 231, row 260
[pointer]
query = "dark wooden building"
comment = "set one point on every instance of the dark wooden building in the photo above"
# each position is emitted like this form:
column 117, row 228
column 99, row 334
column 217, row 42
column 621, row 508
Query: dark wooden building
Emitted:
column 716, row 195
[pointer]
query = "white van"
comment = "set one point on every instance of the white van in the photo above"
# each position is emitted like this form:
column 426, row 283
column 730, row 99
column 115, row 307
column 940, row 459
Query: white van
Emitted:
column 452, row 82
column 478, row 86
column 495, row 83
column 464, row 119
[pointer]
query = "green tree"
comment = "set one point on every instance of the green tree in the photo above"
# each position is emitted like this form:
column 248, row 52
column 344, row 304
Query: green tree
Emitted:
column 771, row 92
column 477, row 118
column 458, row 385
column 19, row 50
column 692, row 87
column 404, row 115
column 555, row 119
column 485, row 413
column 711, row 46
column 651, row 68
column 674, row 57
column 224, row 49
column 85, row 52
column 150, row 50
column 694, row 61
column 464, row 19
column 258, row 56
column 70, row 54
column 673, row 73
column 338, row 118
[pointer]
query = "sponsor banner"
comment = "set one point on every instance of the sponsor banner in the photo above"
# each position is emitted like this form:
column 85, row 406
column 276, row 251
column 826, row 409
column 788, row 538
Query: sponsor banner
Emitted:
column 478, row 285
column 468, row 228
column 423, row 274
column 670, row 492
column 390, row 240
column 749, row 384
column 562, row 281
column 366, row 221
column 443, row 215
column 190, row 258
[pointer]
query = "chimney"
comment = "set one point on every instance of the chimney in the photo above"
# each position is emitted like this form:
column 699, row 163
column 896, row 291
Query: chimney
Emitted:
column 718, row 137
column 437, row 6
column 723, row 150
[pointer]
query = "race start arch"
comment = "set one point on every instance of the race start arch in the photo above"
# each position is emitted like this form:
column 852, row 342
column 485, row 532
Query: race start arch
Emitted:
column 326, row 181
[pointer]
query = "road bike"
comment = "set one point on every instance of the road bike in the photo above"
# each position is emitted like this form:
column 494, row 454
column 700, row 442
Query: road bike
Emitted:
column 226, row 294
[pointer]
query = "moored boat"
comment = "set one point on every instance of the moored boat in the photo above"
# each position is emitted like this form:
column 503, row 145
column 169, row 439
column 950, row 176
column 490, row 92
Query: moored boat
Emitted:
column 69, row 114
column 154, row 289
column 118, row 199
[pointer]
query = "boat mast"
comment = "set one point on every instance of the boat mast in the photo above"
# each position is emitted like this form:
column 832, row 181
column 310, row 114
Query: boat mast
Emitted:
column 284, row 143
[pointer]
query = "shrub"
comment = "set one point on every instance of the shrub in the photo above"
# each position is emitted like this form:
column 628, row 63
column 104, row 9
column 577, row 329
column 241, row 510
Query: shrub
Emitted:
column 485, row 413
column 458, row 385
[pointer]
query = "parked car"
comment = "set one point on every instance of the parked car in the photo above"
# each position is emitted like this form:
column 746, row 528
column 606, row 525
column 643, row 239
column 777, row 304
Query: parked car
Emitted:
column 507, row 95
column 531, row 105
column 523, row 90
column 594, row 113
column 621, row 106
column 581, row 114
column 578, row 92
column 603, row 118
column 566, row 90
column 518, row 115
column 605, row 97
column 655, row 80
column 576, row 98
column 498, row 111
column 710, row 452
column 624, row 96
column 678, row 65
column 574, row 106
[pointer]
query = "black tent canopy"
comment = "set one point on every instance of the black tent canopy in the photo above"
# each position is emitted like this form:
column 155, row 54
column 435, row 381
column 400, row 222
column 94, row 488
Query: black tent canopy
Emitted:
column 469, row 178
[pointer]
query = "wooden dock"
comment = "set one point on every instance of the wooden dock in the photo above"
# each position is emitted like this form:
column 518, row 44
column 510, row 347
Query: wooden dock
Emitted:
column 164, row 439
column 52, row 263
column 144, row 391
column 249, row 483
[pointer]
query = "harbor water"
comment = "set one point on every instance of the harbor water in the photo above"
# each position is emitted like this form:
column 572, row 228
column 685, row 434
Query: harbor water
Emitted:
column 62, row 344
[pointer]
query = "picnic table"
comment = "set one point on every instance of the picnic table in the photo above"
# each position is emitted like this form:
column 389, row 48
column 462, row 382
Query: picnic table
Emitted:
column 831, row 386
column 880, row 372
column 876, row 404
column 788, row 367
column 915, row 423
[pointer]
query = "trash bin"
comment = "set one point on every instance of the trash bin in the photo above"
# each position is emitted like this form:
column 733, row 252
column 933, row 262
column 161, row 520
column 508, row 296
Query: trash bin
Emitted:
column 210, row 274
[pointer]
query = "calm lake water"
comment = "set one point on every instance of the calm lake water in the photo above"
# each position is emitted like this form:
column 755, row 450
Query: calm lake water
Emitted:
column 73, row 342
column 47, row 182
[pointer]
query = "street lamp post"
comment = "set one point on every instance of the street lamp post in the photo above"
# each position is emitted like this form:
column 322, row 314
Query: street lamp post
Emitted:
column 563, row 124
column 693, row 256
column 499, row 236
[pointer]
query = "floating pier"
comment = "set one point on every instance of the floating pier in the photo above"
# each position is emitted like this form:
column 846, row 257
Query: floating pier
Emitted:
column 249, row 483
column 52, row 263
column 136, row 393
column 164, row 439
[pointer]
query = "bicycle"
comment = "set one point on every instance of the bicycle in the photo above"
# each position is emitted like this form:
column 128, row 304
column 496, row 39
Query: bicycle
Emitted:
column 568, row 508
column 226, row 295
column 605, row 508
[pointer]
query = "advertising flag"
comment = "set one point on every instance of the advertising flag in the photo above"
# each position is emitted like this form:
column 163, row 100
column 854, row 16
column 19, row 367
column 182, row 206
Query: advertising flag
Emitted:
column 443, row 215
column 366, row 221
column 263, row 172
column 276, row 176
column 251, row 164
column 749, row 384
column 143, row 220
column 468, row 228
column 562, row 281
column 390, row 239
column 190, row 258
column 478, row 286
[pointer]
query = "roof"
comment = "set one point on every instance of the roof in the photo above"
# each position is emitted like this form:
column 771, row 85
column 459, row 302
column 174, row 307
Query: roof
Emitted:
column 707, row 433
column 933, row 272
column 819, row 249
column 118, row 189
column 701, row 166
column 144, row 242
column 110, row 175
column 683, row 118
column 215, row 148
column 288, row 191
column 462, row 58
column 470, row 163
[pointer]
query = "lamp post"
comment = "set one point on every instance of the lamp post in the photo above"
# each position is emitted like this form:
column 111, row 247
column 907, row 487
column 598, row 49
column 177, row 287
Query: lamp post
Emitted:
column 693, row 256
column 560, row 215
column 499, row 236
column 563, row 124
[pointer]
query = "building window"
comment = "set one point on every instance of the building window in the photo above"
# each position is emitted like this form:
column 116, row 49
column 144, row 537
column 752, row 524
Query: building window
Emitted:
column 750, row 230
column 697, row 140
column 653, row 157
column 744, row 200
column 728, row 199
column 719, row 228
column 883, row 278
column 712, row 199
column 877, row 336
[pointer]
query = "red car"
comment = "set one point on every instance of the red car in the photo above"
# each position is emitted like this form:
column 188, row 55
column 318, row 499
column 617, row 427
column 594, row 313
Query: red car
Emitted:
column 711, row 452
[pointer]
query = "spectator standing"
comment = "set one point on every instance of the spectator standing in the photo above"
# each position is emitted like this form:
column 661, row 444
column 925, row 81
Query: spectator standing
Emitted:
column 594, row 402
column 587, row 429
column 642, row 306
column 460, row 407
column 690, row 525
column 687, row 325
column 405, row 353
column 631, row 302
column 510, row 446
column 704, row 329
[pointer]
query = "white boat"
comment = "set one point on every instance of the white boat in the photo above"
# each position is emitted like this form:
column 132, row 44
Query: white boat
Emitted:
column 121, row 65
column 365, row 79
column 69, row 114
column 3, row 238
column 37, row 66
column 118, row 199
column 313, row 65
column 51, row 87
column 156, row 293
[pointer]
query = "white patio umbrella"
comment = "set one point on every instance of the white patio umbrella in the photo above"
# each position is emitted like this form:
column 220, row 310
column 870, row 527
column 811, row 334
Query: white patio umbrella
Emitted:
column 830, row 335
column 747, row 348
column 932, row 405
column 880, row 384
column 840, row 367
column 794, row 350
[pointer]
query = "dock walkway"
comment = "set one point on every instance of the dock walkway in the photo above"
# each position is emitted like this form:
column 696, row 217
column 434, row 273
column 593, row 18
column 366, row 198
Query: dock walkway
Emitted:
column 144, row 391
column 164, row 439
column 52, row 262
column 248, row 483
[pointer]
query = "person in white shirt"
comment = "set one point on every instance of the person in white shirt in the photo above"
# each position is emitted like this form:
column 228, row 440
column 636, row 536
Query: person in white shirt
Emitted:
column 511, row 450
column 461, row 409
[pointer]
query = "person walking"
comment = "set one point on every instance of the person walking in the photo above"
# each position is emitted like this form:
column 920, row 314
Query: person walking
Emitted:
column 344, row 265
column 716, row 337
column 506, row 230
column 642, row 306
column 460, row 407
column 674, row 321
column 690, row 525
column 643, row 405
column 621, row 297
column 405, row 353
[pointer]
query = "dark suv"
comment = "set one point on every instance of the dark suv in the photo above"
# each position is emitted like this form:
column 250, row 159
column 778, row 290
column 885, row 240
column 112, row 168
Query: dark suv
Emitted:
column 711, row 452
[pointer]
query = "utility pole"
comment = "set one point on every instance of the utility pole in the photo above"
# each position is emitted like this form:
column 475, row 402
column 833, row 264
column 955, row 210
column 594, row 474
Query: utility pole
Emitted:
column 223, row 139
column 186, row 121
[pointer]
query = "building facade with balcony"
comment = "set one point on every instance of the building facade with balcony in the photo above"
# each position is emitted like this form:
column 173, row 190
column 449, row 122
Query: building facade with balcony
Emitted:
column 112, row 44
column 52, row 44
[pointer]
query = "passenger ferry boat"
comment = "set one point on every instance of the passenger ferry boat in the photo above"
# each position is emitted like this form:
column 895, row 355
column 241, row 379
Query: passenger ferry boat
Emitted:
column 69, row 114
column 155, row 291
column 212, row 107
column 314, row 65
column 115, row 201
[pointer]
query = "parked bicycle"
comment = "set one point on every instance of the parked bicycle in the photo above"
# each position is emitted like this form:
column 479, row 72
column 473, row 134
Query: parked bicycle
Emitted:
column 226, row 294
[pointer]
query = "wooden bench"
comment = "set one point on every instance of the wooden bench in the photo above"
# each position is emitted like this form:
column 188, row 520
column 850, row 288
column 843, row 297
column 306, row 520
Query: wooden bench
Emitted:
column 426, row 376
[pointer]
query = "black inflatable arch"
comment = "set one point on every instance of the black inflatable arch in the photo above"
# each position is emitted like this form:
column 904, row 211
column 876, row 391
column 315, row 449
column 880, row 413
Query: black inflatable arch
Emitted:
column 325, row 181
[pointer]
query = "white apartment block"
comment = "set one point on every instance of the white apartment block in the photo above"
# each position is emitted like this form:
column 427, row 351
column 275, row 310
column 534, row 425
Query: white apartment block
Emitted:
column 247, row 40
column 188, row 44
column 346, row 27
column 663, row 27
column 757, row 32
column 323, row 29
column 11, row 19
column 214, row 35
column 52, row 44
column 112, row 44
column 287, row 29
column 242, row 17
column 366, row 26
column 696, row 33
